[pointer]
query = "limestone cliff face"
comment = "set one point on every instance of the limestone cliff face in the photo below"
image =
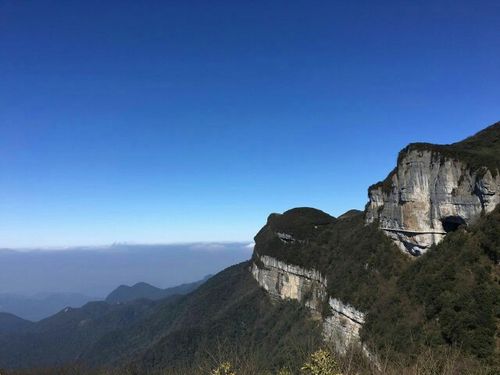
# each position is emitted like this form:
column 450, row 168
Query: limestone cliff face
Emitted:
column 342, row 323
column 337, row 266
column 287, row 281
column 428, row 195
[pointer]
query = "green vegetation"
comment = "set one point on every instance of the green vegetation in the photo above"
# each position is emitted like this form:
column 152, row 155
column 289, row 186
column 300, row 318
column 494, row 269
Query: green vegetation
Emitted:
column 443, row 305
column 357, row 260
column 435, row 315
column 225, row 368
column 228, row 311
column 10, row 323
column 480, row 150
column 448, row 298
column 321, row 361
column 145, row 291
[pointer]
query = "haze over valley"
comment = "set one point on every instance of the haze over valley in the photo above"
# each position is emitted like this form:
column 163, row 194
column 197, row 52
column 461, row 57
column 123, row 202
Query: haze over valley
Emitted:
column 38, row 283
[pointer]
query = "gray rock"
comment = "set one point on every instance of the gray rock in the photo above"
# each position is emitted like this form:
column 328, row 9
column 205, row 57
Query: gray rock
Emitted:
column 343, row 322
column 429, row 195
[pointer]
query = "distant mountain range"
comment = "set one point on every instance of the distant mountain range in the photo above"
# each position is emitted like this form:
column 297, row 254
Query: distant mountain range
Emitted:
column 166, row 331
column 40, row 306
column 142, row 290
column 10, row 323
column 96, row 271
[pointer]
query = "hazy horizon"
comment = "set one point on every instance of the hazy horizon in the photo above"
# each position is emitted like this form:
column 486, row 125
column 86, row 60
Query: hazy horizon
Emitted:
column 95, row 272
column 107, row 246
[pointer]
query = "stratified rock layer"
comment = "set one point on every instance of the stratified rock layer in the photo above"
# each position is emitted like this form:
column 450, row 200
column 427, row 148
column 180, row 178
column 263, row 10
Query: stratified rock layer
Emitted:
column 428, row 195
column 287, row 281
column 284, row 281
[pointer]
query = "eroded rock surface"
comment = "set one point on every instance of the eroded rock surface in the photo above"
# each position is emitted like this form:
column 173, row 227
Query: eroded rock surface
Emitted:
column 343, row 325
column 429, row 195
column 342, row 322
column 287, row 281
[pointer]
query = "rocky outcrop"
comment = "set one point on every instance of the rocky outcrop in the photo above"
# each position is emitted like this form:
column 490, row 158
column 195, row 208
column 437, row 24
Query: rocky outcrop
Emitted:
column 342, row 322
column 433, row 190
column 343, row 325
column 428, row 195
column 285, row 281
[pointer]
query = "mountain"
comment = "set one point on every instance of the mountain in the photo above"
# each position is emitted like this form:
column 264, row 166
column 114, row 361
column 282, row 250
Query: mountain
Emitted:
column 141, row 290
column 436, row 188
column 370, row 293
column 228, row 312
column 356, row 282
column 40, row 306
column 10, row 323
column 360, row 275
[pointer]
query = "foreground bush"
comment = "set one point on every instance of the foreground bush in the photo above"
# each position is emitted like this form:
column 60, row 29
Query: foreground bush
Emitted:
column 320, row 362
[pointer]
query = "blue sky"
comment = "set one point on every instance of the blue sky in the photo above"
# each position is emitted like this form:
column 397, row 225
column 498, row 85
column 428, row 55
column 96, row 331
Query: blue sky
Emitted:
column 174, row 121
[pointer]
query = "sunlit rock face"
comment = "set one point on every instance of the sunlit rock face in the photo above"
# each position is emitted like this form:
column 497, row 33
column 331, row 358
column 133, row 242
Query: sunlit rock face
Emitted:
column 289, row 235
column 286, row 281
column 429, row 195
column 341, row 323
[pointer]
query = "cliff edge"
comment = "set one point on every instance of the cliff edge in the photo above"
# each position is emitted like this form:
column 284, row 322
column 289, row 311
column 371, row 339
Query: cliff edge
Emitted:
column 435, row 189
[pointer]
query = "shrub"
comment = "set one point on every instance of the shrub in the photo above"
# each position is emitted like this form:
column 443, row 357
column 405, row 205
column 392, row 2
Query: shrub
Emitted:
column 321, row 363
column 224, row 368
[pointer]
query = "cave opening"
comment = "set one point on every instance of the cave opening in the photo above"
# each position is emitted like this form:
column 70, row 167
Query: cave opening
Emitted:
column 452, row 223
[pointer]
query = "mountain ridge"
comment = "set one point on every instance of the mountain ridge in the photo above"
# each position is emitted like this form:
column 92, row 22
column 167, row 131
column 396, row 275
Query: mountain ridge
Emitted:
column 40, row 306
column 10, row 323
column 140, row 290
column 436, row 188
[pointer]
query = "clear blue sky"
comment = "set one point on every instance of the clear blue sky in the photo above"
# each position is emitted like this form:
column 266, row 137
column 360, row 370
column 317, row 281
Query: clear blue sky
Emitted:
column 167, row 121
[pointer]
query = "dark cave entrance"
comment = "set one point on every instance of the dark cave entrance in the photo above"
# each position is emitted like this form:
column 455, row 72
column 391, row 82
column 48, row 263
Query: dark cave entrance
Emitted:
column 452, row 223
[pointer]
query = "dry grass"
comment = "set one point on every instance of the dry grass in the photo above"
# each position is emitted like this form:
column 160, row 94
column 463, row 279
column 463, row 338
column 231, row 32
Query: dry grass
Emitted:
column 225, row 361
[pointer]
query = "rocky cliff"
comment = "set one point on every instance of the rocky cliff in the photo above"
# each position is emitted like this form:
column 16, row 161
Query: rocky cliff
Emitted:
column 296, row 231
column 286, row 281
column 341, row 323
column 346, row 269
column 436, row 189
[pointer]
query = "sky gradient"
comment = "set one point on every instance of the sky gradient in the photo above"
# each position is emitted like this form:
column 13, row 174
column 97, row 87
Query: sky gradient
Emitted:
column 182, row 121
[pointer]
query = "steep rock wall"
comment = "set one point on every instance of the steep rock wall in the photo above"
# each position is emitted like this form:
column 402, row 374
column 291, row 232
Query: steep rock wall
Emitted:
column 344, row 324
column 283, row 281
column 286, row 281
column 429, row 195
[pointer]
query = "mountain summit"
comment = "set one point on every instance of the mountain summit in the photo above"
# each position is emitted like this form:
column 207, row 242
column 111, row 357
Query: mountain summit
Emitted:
column 354, row 273
column 434, row 189
column 143, row 290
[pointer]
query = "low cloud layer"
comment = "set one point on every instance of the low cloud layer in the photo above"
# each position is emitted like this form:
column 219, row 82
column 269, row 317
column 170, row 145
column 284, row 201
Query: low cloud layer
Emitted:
column 96, row 271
